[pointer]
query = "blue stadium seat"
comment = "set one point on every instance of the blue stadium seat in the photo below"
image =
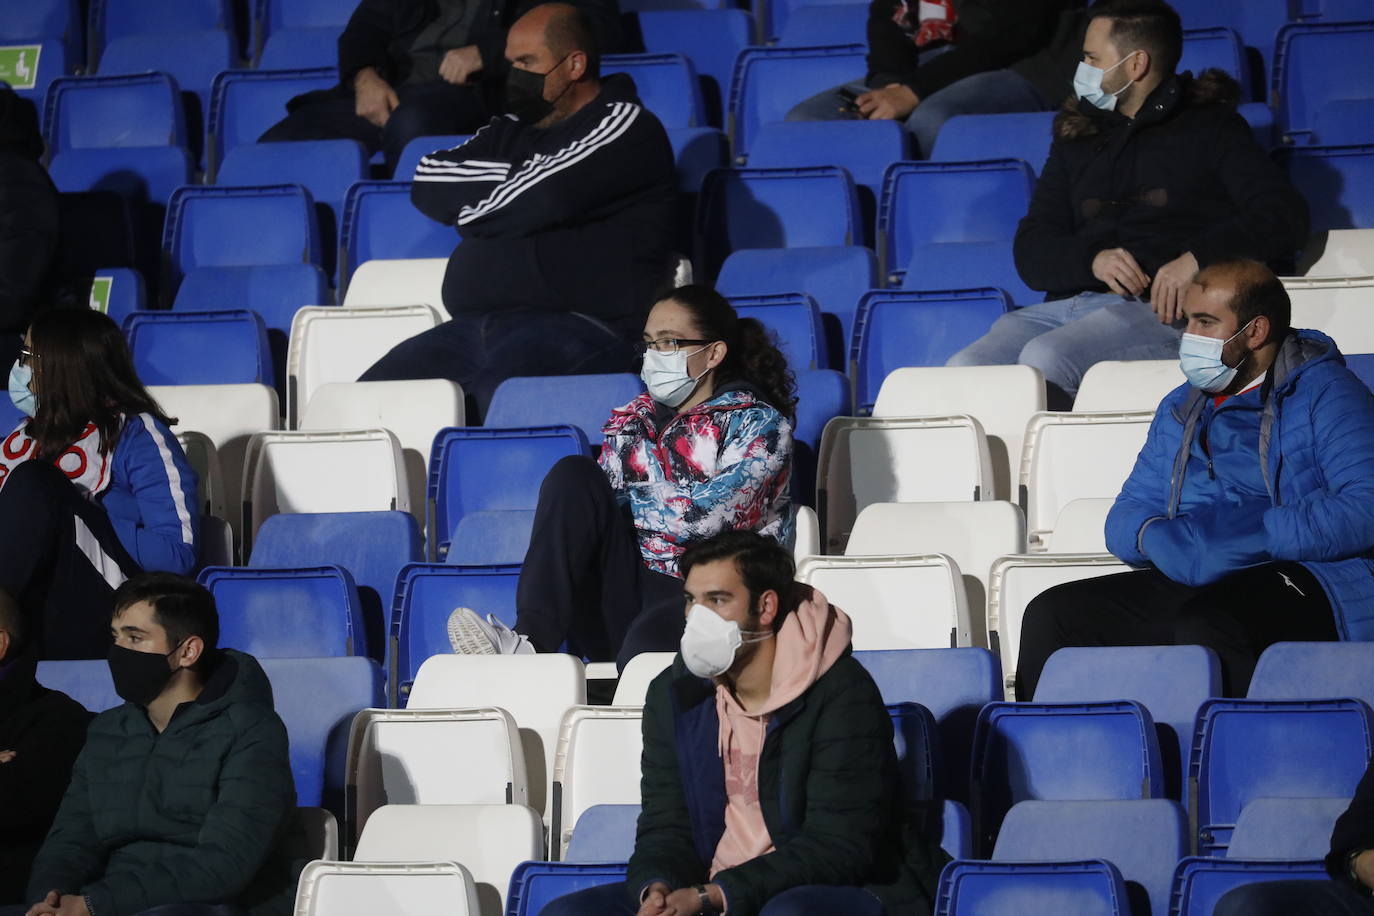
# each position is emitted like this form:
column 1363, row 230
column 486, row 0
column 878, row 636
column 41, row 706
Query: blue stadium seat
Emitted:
column 1362, row 364
column 1054, row 752
column 667, row 85
column 1200, row 882
column 534, row 885
column 1248, row 749
column 1018, row 135
column 1311, row 670
column 372, row 546
column 317, row 699
column 244, row 103
column 813, row 24
column 926, row 202
column 1319, row 65
column 709, row 38
column 425, row 596
column 836, row 277
column 40, row 20
column 697, row 151
column 142, row 174
column 1216, row 48
column 795, row 319
column 954, row 684
column 1286, row 828
column 105, row 111
column 44, row 64
column 274, row 291
column 1143, row 838
column 490, row 537
column 472, row 469
column 193, row 59
column 239, row 227
column 310, row 612
column 584, row 401
column 896, row 328
column 966, row 265
column 114, row 19
column 919, row 761
column 199, row 348
column 1172, row 682
column 288, row 48
column 1089, row 888
column 768, row 82
column 295, row 14
column 1257, row 21
column 603, row 833
column 1338, row 182
column 776, row 208
column 379, row 221
column 420, row 147
column 1345, row 122
column 822, row 395
column 121, row 289
column 86, row 681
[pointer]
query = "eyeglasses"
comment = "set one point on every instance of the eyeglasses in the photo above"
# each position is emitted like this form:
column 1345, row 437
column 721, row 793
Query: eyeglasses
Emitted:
column 668, row 344
column 26, row 356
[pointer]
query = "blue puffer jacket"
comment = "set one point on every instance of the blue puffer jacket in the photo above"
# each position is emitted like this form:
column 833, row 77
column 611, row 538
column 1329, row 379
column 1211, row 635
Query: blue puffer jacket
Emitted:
column 1313, row 495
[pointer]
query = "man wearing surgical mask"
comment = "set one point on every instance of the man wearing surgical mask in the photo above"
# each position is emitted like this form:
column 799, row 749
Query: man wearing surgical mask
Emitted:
column 565, row 208
column 1152, row 176
column 1249, row 515
column 182, row 800
column 769, row 775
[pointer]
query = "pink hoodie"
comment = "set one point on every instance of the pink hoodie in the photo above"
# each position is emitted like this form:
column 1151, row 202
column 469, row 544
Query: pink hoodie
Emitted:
column 812, row 639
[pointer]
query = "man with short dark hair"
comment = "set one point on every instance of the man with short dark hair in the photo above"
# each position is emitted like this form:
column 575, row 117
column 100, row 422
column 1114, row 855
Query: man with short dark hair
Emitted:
column 41, row 732
column 183, row 797
column 565, row 207
column 769, row 780
column 1250, row 511
column 1152, row 176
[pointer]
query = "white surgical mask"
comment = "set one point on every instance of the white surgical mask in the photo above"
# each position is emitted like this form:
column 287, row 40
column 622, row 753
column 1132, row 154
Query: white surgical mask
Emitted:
column 709, row 641
column 23, row 398
column 1200, row 359
column 666, row 376
column 1087, row 84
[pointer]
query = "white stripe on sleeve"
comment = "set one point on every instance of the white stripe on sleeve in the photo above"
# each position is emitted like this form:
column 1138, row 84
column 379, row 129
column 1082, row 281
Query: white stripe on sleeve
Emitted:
column 173, row 476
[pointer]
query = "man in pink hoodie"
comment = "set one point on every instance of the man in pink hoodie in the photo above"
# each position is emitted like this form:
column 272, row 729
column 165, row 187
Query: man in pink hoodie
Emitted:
column 769, row 781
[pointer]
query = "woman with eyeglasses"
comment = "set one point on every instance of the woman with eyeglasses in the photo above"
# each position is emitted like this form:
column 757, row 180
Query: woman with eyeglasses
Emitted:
column 94, row 487
column 706, row 449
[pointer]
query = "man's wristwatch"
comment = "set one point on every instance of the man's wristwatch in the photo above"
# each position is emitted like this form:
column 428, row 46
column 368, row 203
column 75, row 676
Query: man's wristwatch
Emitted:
column 707, row 907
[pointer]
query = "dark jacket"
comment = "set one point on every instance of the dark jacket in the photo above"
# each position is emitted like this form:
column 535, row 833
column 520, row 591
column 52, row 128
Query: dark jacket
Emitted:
column 1354, row 831
column 576, row 217
column 199, row 813
column 45, row 730
column 1185, row 175
column 28, row 221
column 989, row 35
column 828, row 789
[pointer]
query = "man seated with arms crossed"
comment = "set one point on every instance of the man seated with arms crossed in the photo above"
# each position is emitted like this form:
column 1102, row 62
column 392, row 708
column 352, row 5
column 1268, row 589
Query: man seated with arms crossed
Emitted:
column 1249, row 515
column 183, row 802
column 769, row 779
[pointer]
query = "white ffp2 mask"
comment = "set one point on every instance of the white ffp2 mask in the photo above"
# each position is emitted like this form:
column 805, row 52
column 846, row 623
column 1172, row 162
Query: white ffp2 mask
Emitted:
column 710, row 642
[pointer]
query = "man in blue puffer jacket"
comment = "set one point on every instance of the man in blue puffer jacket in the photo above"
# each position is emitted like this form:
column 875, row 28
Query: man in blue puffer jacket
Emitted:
column 1250, row 511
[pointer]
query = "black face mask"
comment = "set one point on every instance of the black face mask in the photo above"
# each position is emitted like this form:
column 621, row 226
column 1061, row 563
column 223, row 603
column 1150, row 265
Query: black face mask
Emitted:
column 140, row 676
column 525, row 94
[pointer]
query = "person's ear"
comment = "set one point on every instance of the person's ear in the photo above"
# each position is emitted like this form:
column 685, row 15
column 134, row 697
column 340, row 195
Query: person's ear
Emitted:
column 1139, row 65
column 5, row 642
column 577, row 65
column 190, row 652
column 1258, row 334
column 716, row 355
column 768, row 609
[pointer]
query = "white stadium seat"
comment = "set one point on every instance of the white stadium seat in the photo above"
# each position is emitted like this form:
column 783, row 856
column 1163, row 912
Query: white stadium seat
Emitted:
column 203, row 457
column 1339, row 253
column 332, row 344
column 897, row 602
column 639, row 672
column 806, row 533
column 1081, row 527
column 399, row 281
column 1117, row 385
column 1343, row 309
column 366, row 889
column 597, row 764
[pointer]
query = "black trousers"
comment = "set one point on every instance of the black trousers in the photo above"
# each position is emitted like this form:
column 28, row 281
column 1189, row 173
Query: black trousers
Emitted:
column 170, row 909
column 425, row 109
column 53, row 538
column 584, row 579
column 1288, row 898
column 1237, row 617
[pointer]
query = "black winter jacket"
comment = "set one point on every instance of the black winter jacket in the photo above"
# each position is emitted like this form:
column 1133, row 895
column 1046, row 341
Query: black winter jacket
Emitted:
column 576, row 217
column 1354, row 831
column 45, row 729
column 28, row 221
column 1185, row 175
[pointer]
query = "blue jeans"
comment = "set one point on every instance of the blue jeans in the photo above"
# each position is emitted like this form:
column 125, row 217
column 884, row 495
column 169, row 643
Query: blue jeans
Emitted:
column 808, row 900
column 1281, row 898
column 993, row 92
column 481, row 350
column 1064, row 337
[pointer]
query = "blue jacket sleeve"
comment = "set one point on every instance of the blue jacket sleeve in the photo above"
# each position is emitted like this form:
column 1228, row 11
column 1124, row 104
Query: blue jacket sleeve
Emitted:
column 1145, row 494
column 152, row 501
column 1336, row 522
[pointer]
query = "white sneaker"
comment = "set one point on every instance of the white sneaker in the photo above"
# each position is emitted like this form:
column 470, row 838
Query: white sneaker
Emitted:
column 469, row 634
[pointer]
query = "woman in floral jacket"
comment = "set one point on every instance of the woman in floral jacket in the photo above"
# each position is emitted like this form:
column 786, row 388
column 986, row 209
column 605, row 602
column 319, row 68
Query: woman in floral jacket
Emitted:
column 707, row 448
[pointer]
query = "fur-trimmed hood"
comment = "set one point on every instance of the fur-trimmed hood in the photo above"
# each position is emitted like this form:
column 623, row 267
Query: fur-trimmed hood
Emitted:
column 1078, row 119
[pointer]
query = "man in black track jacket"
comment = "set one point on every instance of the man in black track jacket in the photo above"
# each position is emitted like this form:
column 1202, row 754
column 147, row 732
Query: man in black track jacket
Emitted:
column 565, row 209
column 413, row 68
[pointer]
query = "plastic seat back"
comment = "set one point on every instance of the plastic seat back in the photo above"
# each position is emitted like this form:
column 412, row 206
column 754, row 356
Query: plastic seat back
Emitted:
column 379, row 221
column 1338, row 182
column 1338, row 307
column 427, row 593
column 583, row 401
column 245, row 103
column 768, row 82
column 603, row 833
column 1312, row 670
column 1322, row 64
column 709, row 38
column 288, row 613
column 965, row 265
column 359, row 888
column 1089, row 888
column 534, row 885
column 1015, row 135
column 666, row 83
column 240, row 227
column 599, row 750
column 896, row 602
column 795, row 320
column 1200, row 882
column 199, row 348
column 105, row 111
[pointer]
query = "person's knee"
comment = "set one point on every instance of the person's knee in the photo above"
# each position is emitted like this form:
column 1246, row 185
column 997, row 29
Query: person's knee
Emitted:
column 1055, row 360
column 789, row 903
column 34, row 477
column 574, row 471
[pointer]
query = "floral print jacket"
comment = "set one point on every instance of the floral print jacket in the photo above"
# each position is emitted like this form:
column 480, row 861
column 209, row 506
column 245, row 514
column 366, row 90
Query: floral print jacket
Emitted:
column 724, row 464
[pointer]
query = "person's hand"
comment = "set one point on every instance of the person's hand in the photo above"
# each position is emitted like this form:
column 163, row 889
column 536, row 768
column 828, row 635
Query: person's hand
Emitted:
column 48, row 906
column 1170, row 283
column 374, row 99
column 7, row 756
column 1364, row 868
column 1117, row 268
column 893, row 102
column 655, row 900
column 459, row 65
column 73, row 905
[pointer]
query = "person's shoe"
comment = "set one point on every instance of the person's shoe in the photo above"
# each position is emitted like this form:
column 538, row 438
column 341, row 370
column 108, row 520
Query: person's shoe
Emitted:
column 469, row 634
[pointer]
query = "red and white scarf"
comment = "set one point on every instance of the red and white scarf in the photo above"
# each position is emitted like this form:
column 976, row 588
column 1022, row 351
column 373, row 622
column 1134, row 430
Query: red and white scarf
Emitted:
column 82, row 462
column 926, row 22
